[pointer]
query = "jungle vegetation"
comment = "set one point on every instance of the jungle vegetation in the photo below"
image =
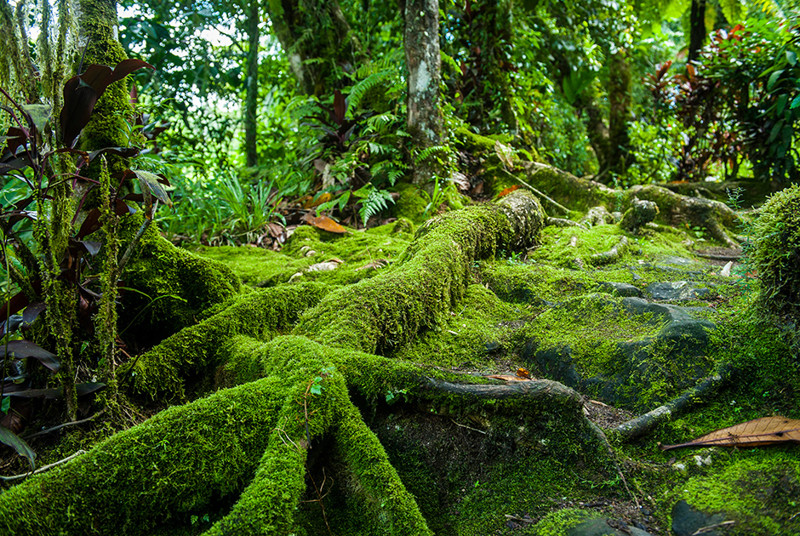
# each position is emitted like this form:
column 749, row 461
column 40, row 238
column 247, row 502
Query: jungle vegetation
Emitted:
column 265, row 263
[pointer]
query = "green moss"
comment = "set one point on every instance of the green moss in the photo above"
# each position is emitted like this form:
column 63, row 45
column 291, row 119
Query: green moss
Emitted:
column 188, row 356
column 559, row 522
column 411, row 204
column 760, row 493
column 775, row 252
column 430, row 278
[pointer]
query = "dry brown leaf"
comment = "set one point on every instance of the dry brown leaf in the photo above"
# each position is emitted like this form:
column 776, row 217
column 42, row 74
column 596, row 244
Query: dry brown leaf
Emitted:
column 523, row 373
column 374, row 265
column 324, row 223
column 755, row 433
column 506, row 378
column 508, row 190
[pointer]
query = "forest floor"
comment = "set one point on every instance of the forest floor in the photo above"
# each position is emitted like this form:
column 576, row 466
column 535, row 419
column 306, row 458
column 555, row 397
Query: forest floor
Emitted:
column 629, row 336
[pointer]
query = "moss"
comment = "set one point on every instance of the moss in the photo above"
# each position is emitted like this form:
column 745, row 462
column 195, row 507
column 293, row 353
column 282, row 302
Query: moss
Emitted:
column 559, row 522
column 170, row 282
column 411, row 204
column 309, row 245
column 186, row 357
column 162, row 470
column 760, row 493
column 775, row 252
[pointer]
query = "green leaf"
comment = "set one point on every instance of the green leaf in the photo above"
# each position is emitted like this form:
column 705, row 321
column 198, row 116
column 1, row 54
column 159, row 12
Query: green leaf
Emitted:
column 17, row 443
column 795, row 103
column 773, row 79
column 791, row 57
column 5, row 405
column 150, row 182
column 734, row 10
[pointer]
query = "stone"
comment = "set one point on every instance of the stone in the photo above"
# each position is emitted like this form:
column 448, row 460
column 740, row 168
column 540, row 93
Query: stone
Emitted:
column 675, row 291
column 687, row 521
column 605, row 527
column 621, row 289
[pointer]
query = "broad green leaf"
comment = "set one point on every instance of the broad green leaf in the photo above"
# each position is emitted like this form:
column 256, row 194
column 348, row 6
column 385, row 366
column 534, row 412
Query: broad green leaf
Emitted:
column 150, row 182
column 773, row 79
column 791, row 57
column 795, row 103
column 675, row 9
column 734, row 10
column 17, row 443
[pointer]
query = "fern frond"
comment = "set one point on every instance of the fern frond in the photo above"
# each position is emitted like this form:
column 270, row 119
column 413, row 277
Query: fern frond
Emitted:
column 358, row 91
column 428, row 152
column 375, row 202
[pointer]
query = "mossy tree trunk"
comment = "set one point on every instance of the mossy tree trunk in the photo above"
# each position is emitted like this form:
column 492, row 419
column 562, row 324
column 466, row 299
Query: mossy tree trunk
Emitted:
column 292, row 395
column 318, row 41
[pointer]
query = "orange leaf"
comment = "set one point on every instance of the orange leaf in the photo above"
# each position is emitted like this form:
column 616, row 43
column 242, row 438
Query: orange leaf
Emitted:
column 324, row 223
column 758, row 432
column 523, row 373
column 506, row 378
column 508, row 190
column 311, row 202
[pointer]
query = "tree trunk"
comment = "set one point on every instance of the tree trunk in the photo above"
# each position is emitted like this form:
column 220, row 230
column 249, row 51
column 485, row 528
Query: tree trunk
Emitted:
column 424, row 75
column 619, row 97
column 697, row 28
column 251, row 85
column 316, row 31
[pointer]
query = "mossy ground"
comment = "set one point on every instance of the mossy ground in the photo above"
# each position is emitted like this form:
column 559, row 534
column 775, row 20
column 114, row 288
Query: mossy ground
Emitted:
column 469, row 464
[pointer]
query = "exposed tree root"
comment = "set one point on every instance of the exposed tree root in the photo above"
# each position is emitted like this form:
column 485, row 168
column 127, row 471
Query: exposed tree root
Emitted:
column 715, row 217
column 249, row 444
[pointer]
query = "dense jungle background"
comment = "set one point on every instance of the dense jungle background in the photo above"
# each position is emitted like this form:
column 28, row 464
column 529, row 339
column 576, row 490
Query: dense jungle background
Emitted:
column 345, row 267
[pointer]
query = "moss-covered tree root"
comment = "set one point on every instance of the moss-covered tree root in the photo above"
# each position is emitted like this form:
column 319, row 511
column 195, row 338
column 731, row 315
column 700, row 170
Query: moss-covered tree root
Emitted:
column 241, row 454
column 716, row 218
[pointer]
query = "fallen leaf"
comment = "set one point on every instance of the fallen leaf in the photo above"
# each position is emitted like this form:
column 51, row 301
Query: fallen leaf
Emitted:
column 508, row 190
column 755, row 433
column 324, row 223
column 523, row 373
column 326, row 266
column 374, row 265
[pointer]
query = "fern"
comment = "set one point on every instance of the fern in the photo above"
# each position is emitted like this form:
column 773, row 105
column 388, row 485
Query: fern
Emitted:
column 428, row 152
column 373, row 201
column 358, row 91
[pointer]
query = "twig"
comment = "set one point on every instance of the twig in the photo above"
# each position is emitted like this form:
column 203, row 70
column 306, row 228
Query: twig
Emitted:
column 468, row 427
column 711, row 528
column 318, row 491
column 559, row 206
column 43, row 468
column 64, row 425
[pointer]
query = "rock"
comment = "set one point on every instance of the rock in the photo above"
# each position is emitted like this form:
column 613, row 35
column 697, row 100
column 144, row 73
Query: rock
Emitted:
column 687, row 521
column 675, row 291
column 605, row 527
column 621, row 289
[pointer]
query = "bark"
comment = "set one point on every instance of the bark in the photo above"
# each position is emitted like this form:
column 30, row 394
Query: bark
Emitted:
column 424, row 75
column 697, row 28
column 251, row 85
column 316, row 31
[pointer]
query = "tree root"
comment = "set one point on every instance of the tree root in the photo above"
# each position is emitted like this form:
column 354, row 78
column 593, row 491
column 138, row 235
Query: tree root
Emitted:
column 643, row 424
column 714, row 217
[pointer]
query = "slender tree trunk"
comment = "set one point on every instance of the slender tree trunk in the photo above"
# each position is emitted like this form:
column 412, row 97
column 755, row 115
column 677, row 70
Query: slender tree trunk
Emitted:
column 697, row 32
column 619, row 96
column 251, row 85
column 424, row 74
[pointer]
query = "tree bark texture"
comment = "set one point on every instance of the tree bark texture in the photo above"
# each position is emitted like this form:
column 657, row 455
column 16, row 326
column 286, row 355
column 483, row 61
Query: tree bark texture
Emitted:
column 424, row 75
column 251, row 85
column 319, row 31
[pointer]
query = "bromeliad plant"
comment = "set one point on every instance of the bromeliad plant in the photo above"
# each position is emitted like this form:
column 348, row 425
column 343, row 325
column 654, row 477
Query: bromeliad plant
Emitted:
column 61, row 248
